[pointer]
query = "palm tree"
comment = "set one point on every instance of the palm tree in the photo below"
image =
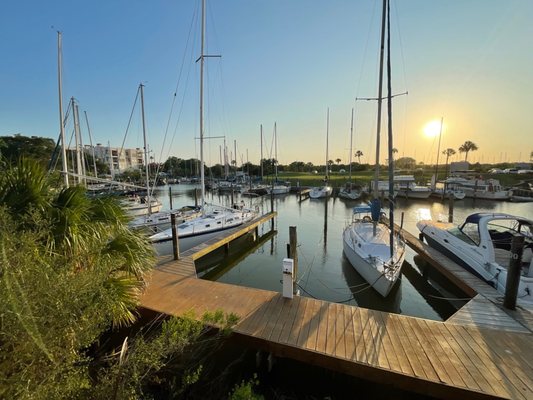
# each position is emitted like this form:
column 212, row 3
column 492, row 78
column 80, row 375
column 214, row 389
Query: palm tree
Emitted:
column 448, row 153
column 359, row 154
column 80, row 229
column 394, row 151
column 338, row 161
column 467, row 147
column 531, row 156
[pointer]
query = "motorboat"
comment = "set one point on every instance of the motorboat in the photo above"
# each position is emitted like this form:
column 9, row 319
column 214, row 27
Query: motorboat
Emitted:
column 409, row 189
column 482, row 244
column 487, row 189
column 366, row 244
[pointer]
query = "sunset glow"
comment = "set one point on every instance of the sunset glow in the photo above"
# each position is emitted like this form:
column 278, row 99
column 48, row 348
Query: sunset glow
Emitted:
column 432, row 129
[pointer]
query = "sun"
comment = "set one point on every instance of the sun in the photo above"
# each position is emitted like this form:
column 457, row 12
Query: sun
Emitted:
column 432, row 129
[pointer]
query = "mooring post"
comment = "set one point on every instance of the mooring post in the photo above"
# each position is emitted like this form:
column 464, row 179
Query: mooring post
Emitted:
column 272, row 207
column 196, row 197
column 232, row 203
column 513, row 272
column 170, row 196
column 175, row 243
column 450, row 208
column 293, row 242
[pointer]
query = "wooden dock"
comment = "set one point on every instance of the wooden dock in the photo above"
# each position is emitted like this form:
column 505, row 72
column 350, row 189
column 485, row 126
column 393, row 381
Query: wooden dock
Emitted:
column 456, row 358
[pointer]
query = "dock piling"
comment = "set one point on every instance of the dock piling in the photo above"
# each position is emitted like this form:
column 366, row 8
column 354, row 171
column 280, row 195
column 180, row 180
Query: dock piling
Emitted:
column 293, row 243
column 170, row 196
column 175, row 243
column 450, row 208
column 513, row 273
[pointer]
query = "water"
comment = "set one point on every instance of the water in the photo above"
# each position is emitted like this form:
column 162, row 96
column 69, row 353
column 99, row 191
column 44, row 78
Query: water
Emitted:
column 324, row 272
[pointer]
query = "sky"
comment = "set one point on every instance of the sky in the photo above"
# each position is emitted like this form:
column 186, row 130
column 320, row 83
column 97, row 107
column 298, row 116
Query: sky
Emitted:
column 287, row 62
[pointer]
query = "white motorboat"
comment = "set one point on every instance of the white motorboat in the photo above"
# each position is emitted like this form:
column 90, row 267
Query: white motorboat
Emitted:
column 373, row 248
column 409, row 189
column 444, row 192
column 489, row 189
column 366, row 244
column 482, row 245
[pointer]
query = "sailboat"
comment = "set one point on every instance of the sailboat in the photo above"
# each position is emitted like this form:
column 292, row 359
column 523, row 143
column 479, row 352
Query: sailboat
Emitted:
column 213, row 218
column 278, row 187
column 350, row 191
column 372, row 247
column 326, row 189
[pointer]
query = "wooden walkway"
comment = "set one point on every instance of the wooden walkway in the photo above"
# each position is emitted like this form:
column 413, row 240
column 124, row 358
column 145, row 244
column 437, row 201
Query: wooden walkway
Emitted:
column 440, row 359
column 486, row 307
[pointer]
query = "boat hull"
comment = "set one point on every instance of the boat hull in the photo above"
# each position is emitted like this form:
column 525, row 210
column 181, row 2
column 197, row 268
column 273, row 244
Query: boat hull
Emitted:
column 320, row 192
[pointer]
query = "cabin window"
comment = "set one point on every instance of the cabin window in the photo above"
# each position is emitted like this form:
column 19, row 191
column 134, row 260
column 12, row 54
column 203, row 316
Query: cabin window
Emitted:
column 208, row 225
column 219, row 222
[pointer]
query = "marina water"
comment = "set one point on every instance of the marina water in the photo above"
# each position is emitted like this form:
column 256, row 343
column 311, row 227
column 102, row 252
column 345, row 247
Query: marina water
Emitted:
column 323, row 271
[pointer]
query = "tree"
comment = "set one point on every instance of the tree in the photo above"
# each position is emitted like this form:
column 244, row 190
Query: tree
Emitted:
column 34, row 147
column 359, row 154
column 394, row 151
column 467, row 147
column 531, row 156
column 448, row 153
column 80, row 229
column 338, row 161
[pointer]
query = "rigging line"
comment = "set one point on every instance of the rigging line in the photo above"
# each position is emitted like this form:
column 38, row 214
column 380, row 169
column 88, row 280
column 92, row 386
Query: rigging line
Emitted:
column 365, row 52
column 129, row 122
column 177, row 86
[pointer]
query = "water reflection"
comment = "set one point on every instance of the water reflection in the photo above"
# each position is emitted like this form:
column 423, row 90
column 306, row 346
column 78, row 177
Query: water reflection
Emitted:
column 323, row 271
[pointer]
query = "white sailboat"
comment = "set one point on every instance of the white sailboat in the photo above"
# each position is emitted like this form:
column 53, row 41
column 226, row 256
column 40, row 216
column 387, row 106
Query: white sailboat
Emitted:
column 214, row 218
column 372, row 247
column 325, row 190
column 350, row 191
column 278, row 187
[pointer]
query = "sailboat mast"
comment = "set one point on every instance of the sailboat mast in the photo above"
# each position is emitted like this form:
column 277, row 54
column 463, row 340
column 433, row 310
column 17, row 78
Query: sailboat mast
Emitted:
column 390, row 155
column 438, row 153
column 61, row 126
column 202, row 177
column 146, row 168
column 351, row 147
column 91, row 142
column 380, row 91
column 261, row 134
column 276, row 151
column 77, row 138
column 327, row 145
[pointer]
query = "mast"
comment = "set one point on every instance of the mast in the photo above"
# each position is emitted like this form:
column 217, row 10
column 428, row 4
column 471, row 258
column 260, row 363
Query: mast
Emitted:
column 327, row 146
column 77, row 138
column 351, row 148
column 91, row 142
column 438, row 153
column 391, row 160
column 61, row 126
column 261, row 161
column 276, row 152
column 146, row 167
column 202, row 177
column 380, row 91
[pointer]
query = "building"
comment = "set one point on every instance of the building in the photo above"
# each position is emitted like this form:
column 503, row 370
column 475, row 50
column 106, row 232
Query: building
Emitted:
column 117, row 159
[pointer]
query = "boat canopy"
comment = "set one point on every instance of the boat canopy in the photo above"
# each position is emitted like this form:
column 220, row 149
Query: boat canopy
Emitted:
column 361, row 209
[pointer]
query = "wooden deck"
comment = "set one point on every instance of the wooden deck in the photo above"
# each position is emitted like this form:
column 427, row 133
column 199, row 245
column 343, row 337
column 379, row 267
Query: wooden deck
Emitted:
column 456, row 358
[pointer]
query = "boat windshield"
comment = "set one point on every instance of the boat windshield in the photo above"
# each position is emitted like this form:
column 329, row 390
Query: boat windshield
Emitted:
column 468, row 233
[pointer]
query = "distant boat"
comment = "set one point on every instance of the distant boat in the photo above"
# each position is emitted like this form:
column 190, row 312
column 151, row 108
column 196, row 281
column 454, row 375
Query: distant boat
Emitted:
column 521, row 193
column 489, row 189
column 325, row 190
column 482, row 244
column 373, row 248
column 350, row 191
column 409, row 189
column 277, row 186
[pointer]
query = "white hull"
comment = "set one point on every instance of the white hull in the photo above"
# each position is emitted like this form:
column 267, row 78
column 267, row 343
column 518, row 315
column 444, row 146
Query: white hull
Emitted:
column 414, row 194
column 457, row 194
column 350, row 194
column 281, row 189
column 320, row 192
column 164, row 218
column 138, row 209
column 484, row 260
column 214, row 221
column 370, row 255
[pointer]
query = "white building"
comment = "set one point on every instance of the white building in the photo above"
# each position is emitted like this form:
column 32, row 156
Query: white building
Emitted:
column 117, row 159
